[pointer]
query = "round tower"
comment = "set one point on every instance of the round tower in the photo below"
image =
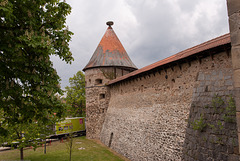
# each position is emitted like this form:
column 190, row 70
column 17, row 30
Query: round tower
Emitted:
column 109, row 61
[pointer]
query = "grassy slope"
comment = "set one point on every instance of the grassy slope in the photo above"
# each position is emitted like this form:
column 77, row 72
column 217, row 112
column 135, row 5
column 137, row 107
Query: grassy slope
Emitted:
column 58, row 152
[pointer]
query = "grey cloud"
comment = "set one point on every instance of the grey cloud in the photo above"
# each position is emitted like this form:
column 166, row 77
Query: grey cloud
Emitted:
column 169, row 29
column 150, row 30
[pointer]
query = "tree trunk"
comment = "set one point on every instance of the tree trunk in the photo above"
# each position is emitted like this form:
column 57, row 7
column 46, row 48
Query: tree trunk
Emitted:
column 21, row 153
column 70, row 148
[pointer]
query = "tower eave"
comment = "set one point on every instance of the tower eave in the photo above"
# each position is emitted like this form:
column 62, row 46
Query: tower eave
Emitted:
column 121, row 67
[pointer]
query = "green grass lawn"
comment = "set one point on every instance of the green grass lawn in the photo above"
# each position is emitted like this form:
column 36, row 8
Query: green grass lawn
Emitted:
column 83, row 149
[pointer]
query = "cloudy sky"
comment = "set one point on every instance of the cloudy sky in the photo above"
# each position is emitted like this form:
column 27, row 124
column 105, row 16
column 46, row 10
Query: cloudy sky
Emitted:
column 150, row 30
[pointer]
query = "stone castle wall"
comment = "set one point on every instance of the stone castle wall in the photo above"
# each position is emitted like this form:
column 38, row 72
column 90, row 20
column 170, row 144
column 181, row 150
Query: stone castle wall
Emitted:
column 96, row 106
column 211, row 132
column 150, row 117
column 234, row 26
column 97, row 97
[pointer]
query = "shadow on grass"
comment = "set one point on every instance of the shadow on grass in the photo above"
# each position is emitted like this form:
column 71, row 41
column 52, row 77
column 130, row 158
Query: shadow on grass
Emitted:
column 83, row 149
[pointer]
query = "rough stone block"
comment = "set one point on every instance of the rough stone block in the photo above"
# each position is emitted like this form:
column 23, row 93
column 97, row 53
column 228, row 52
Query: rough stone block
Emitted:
column 227, row 77
column 237, row 99
column 209, row 159
column 234, row 20
column 201, row 76
column 235, row 38
column 235, row 51
column 228, row 82
column 230, row 150
column 223, row 157
column 236, row 150
column 233, row 6
column 239, row 141
column 236, row 78
column 230, row 88
column 233, row 157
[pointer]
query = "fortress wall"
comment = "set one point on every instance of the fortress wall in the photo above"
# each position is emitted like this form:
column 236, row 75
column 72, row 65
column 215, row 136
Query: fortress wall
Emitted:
column 211, row 132
column 96, row 107
column 148, row 117
column 97, row 97
column 234, row 26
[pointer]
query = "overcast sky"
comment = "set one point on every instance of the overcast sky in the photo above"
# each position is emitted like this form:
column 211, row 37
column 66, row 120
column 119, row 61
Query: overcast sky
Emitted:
column 150, row 30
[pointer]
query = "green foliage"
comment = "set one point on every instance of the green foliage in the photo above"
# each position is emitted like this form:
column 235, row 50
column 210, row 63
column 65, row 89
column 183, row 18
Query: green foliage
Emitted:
column 234, row 142
column 30, row 32
column 204, row 139
column 227, row 107
column 230, row 109
column 27, row 134
column 211, row 126
column 76, row 99
column 206, row 106
column 199, row 124
column 217, row 102
column 219, row 141
column 220, row 125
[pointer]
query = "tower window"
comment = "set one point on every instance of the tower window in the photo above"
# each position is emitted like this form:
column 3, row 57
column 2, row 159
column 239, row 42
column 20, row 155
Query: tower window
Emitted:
column 102, row 96
column 98, row 81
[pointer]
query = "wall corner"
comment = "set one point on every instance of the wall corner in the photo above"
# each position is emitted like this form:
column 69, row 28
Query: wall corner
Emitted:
column 233, row 7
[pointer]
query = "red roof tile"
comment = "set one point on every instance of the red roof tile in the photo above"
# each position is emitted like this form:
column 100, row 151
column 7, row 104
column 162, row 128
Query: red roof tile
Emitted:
column 110, row 52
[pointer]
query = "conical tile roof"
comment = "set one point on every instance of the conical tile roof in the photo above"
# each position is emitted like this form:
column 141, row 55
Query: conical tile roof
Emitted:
column 110, row 52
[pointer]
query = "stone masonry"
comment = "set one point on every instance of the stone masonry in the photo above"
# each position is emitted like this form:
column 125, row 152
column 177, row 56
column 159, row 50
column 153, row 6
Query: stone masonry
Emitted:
column 97, row 97
column 109, row 61
column 185, row 107
column 234, row 25
column 95, row 86
column 148, row 117
column 211, row 131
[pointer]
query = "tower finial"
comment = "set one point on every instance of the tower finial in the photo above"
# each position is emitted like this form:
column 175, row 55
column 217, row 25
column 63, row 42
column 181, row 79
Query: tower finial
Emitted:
column 110, row 23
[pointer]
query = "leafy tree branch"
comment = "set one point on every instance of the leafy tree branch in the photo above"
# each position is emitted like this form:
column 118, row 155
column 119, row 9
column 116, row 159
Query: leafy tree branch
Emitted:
column 30, row 32
column 76, row 95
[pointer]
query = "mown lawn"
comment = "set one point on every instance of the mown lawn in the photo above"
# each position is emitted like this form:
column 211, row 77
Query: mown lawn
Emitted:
column 83, row 150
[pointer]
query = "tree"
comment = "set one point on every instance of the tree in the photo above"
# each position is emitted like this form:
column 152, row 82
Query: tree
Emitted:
column 76, row 95
column 30, row 32
column 70, row 145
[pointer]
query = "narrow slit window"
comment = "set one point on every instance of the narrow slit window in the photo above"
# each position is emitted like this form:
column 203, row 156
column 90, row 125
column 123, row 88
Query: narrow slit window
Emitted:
column 89, row 82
